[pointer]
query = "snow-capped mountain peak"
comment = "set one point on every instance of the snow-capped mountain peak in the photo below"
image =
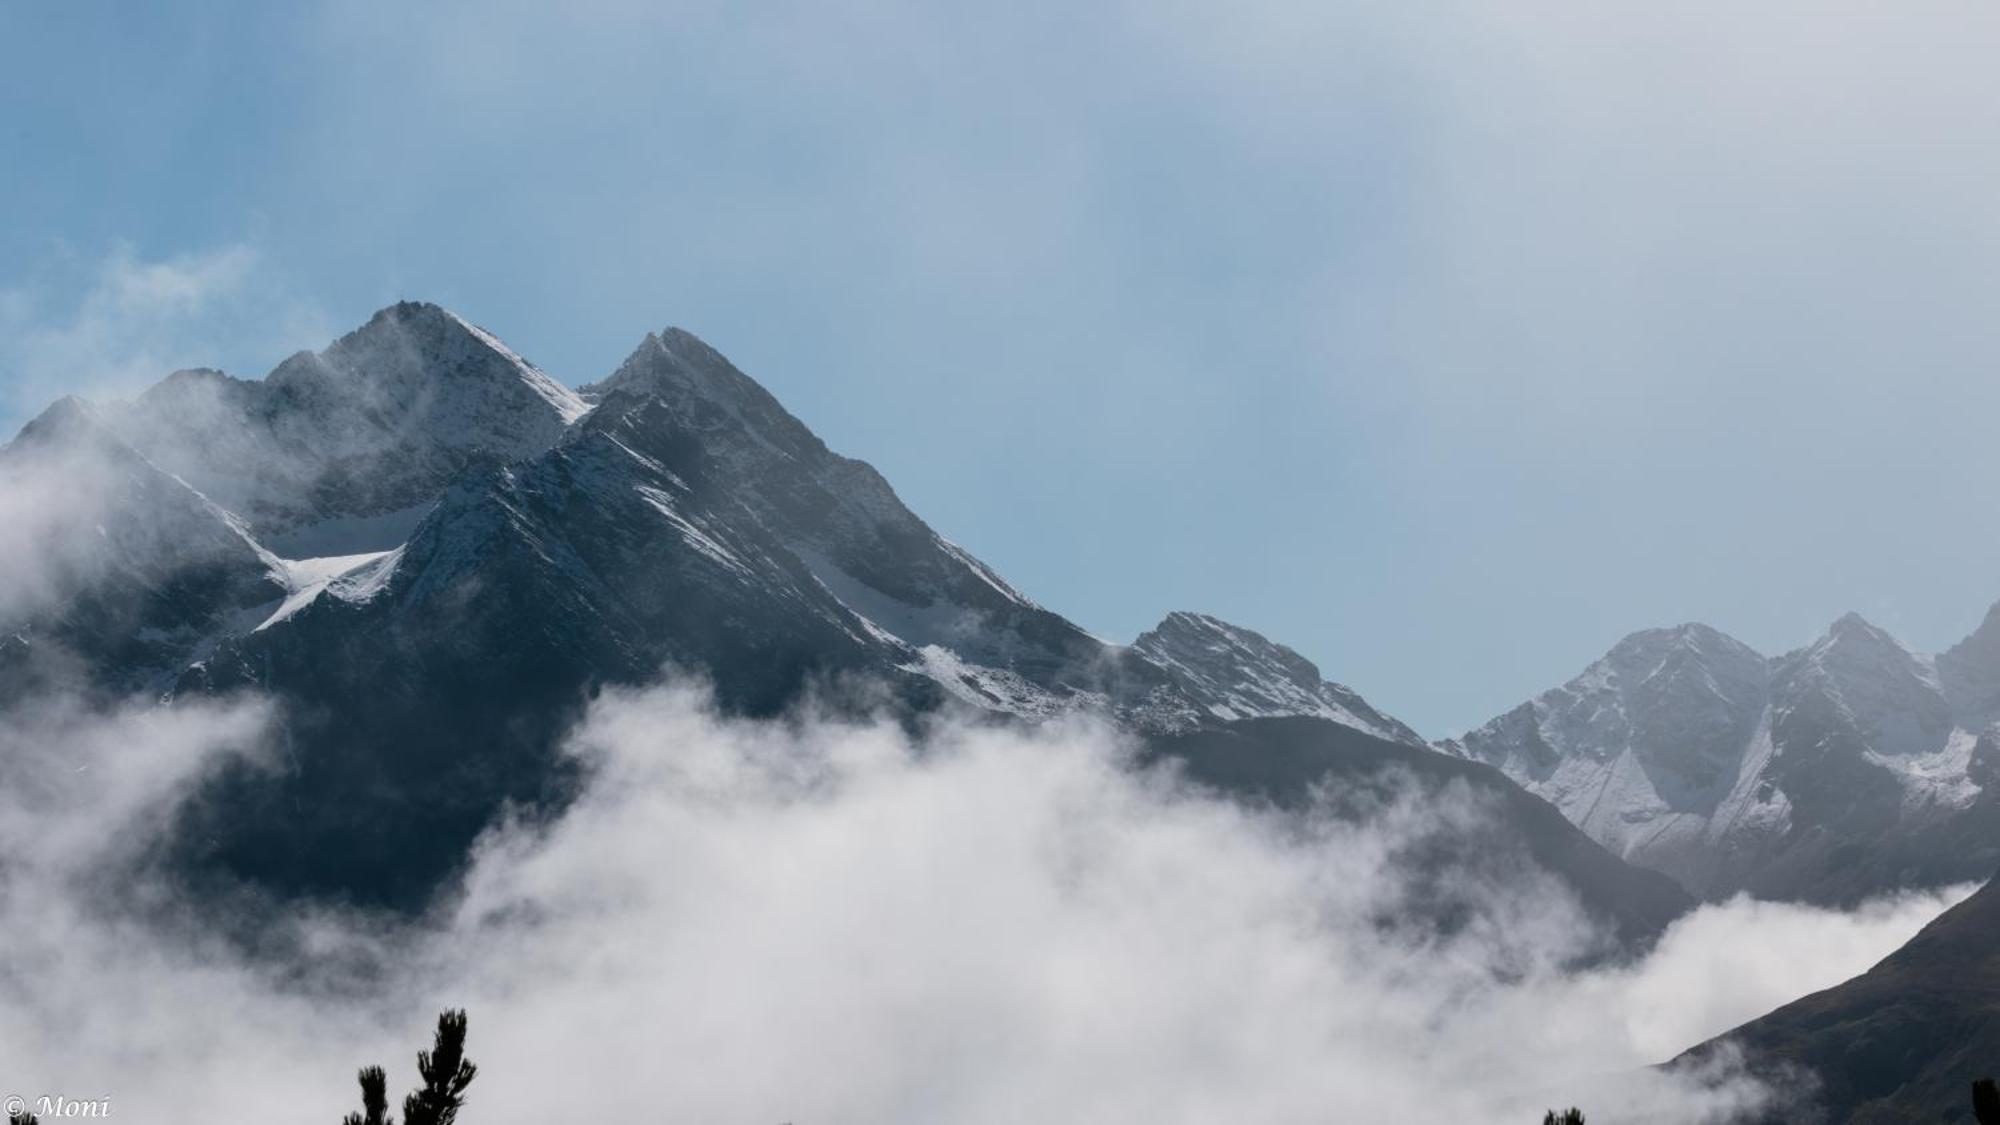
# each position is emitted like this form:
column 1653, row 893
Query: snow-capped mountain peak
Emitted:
column 1890, row 697
column 676, row 357
column 1684, row 750
column 1854, row 637
column 417, row 364
column 340, row 451
column 1641, row 696
column 676, row 398
column 1236, row 673
column 679, row 369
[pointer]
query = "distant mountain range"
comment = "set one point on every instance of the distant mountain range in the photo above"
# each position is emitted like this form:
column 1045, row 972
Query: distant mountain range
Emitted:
column 1847, row 768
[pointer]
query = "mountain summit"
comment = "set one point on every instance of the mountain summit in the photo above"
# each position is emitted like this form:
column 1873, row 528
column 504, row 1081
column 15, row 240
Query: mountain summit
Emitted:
column 1843, row 769
column 340, row 451
column 1229, row 672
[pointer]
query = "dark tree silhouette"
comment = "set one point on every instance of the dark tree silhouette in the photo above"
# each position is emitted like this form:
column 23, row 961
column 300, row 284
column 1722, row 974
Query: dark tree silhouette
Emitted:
column 1570, row 1116
column 1986, row 1102
column 374, row 1099
column 446, row 1073
column 23, row 1118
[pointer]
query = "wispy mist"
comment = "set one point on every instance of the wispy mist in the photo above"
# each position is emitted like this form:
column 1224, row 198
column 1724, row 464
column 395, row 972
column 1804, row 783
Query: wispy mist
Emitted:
column 112, row 324
column 825, row 920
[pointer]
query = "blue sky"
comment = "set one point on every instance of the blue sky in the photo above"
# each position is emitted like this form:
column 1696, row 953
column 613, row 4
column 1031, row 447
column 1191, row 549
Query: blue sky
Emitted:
column 1445, row 342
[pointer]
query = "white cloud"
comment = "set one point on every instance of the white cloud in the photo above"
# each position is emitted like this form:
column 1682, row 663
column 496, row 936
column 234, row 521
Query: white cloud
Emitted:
column 822, row 921
column 113, row 326
column 1727, row 964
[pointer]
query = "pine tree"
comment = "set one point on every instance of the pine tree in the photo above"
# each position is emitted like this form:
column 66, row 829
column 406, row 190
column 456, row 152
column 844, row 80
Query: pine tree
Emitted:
column 1986, row 1102
column 446, row 1073
column 1570, row 1116
column 374, row 1099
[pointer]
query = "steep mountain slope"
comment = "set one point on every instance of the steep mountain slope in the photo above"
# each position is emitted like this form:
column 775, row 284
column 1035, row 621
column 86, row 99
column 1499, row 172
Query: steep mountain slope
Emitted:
column 840, row 519
column 1826, row 774
column 1903, row 1041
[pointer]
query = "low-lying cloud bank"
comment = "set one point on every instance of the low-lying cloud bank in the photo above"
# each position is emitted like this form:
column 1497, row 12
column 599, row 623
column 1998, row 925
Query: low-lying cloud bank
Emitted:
column 827, row 921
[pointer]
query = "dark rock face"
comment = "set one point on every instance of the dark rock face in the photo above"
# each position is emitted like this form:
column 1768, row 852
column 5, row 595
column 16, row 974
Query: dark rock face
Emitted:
column 837, row 515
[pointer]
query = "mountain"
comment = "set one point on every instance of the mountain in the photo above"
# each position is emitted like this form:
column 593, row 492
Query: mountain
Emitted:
column 1904, row 1041
column 1294, row 763
column 117, row 573
column 1228, row 672
column 1840, row 770
column 1969, row 672
column 341, row 451
column 435, row 555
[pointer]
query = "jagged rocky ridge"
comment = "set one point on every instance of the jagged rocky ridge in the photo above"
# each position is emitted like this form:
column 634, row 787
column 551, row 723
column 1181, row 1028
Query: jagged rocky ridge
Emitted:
column 1846, row 768
column 433, row 554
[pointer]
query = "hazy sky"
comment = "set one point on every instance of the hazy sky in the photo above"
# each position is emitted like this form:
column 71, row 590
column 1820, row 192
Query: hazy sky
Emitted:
column 1445, row 342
